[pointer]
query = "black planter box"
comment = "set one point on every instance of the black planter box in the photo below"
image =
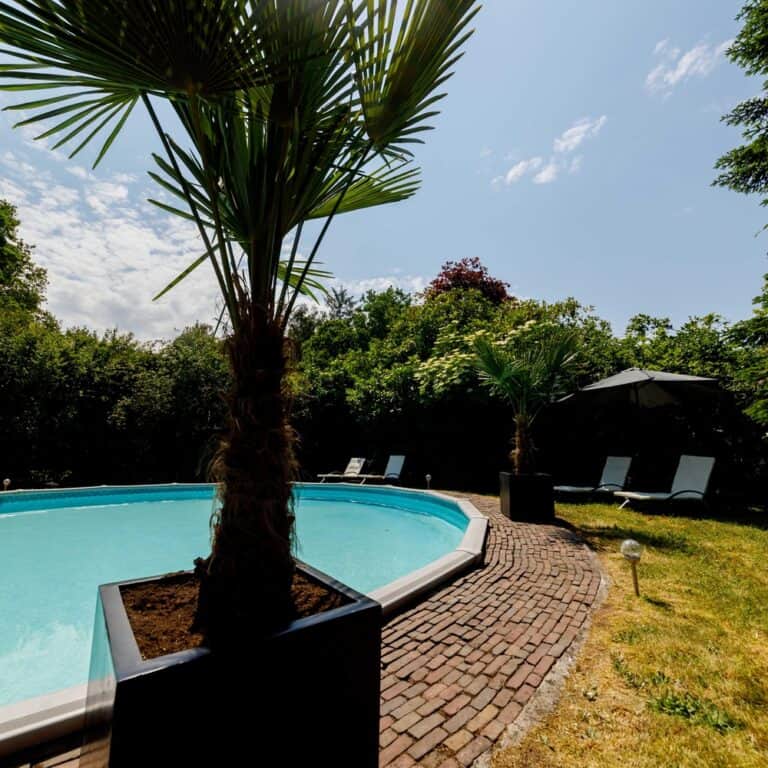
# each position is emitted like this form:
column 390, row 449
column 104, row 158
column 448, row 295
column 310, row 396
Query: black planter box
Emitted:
column 527, row 498
column 307, row 695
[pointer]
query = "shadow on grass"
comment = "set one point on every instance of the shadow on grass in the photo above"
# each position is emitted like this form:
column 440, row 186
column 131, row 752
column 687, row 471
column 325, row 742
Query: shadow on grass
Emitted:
column 657, row 603
column 600, row 536
column 738, row 513
column 753, row 517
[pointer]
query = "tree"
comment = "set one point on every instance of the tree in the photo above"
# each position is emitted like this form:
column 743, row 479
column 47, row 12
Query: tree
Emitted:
column 527, row 378
column 303, row 323
column 752, row 375
column 379, row 311
column 469, row 273
column 292, row 111
column 745, row 168
column 22, row 284
column 340, row 303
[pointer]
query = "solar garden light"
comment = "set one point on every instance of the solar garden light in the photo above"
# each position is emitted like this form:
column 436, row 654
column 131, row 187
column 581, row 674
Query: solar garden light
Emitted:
column 6, row 483
column 632, row 550
column 428, row 478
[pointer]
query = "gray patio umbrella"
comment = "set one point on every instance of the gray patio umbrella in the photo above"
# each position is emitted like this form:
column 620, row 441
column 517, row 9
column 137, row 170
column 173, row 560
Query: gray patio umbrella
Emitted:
column 647, row 389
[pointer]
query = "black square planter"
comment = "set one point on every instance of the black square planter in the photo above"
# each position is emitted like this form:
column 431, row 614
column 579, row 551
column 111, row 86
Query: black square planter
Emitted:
column 527, row 498
column 306, row 695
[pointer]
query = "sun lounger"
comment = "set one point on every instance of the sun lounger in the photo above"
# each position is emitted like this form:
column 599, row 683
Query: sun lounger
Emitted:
column 614, row 478
column 352, row 472
column 391, row 473
column 690, row 483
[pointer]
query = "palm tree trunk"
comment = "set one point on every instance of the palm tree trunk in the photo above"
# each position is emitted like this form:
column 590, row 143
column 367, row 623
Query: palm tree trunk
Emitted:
column 522, row 455
column 245, row 584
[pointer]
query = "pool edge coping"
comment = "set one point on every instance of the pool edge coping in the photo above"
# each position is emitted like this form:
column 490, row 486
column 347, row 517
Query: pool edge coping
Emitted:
column 66, row 708
column 54, row 715
column 469, row 552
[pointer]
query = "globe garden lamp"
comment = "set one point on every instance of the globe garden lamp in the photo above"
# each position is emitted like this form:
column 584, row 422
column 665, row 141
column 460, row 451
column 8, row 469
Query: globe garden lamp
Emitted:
column 428, row 478
column 632, row 551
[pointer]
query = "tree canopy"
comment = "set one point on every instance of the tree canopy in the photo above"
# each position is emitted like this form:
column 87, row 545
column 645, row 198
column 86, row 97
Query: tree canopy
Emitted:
column 22, row 283
column 468, row 273
column 751, row 376
column 745, row 168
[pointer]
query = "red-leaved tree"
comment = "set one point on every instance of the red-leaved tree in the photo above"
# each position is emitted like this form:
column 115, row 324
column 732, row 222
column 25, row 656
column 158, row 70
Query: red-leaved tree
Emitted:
column 468, row 273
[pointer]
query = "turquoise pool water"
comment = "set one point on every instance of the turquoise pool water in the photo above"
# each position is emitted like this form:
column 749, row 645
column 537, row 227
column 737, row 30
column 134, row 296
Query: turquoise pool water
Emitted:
column 57, row 547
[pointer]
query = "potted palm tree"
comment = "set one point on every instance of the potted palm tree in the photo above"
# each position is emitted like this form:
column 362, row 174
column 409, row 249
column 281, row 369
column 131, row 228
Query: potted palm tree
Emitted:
column 528, row 376
column 282, row 112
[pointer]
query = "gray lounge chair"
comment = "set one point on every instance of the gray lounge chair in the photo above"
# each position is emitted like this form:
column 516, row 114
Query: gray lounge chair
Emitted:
column 352, row 472
column 391, row 473
column 690, row 483
column 614, row 478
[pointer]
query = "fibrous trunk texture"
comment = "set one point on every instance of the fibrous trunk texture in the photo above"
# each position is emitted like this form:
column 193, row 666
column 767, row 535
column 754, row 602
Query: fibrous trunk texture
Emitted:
column 522, row 454
column 245, row 583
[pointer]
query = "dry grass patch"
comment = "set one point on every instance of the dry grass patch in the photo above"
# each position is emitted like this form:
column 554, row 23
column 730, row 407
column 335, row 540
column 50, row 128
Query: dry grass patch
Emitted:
column 678, row 677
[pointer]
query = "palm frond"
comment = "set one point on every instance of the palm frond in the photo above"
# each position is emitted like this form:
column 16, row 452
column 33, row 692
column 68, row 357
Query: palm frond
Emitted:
column 398, row 82
column 378, row 188
column 184, row 273
column 106, row 54
column 314, row 282
column 312, row 285
column 531, row 376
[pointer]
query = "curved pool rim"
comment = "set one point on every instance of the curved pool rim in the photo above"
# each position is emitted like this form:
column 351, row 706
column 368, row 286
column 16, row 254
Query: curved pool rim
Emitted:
column 60, row 714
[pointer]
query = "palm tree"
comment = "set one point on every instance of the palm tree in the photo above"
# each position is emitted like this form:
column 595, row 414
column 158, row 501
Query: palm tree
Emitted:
column 291, row 110
column 528, row 377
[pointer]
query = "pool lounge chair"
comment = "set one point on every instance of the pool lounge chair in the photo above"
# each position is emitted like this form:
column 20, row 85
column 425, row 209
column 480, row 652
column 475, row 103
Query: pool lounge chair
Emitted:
column 690, row 483
column 391, row 473
column 614, row 478
column 352, row 472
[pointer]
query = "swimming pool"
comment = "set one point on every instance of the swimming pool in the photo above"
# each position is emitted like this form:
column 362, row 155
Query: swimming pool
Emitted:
column 56, row 547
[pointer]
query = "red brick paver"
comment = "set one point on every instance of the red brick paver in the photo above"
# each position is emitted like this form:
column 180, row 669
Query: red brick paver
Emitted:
column 461, row 665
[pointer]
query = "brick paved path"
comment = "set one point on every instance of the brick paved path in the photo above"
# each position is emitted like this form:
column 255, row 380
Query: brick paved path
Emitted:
column 460, row 666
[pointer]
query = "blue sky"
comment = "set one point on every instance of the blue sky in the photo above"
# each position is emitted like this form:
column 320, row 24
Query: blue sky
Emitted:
column 574, row 156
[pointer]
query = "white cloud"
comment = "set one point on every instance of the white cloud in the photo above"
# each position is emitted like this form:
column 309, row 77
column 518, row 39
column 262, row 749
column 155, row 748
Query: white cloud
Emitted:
column 410, row 283
column 576, row 164
column 79, row 171
column 16, row 164
column 12, row 192
column 676, row 67
column 57, row 196
column 518, row 170
column 29, row 134
column 547, row 174
column 103, row 195
column 486, row 152
column 125, row 178
column 107, row 253
column 582, row 129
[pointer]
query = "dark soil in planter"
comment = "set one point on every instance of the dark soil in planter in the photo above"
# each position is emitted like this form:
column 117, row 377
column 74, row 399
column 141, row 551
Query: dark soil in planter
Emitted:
column 161, row 612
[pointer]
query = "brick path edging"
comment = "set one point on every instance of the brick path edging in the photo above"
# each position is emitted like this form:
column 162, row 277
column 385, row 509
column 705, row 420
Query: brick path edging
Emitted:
column 459, row 668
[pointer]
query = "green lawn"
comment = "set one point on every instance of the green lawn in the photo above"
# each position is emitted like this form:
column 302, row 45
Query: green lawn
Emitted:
column 678, row 677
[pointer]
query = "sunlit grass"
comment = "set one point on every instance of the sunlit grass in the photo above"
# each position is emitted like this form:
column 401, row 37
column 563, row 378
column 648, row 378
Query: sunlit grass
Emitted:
column 678, row 677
